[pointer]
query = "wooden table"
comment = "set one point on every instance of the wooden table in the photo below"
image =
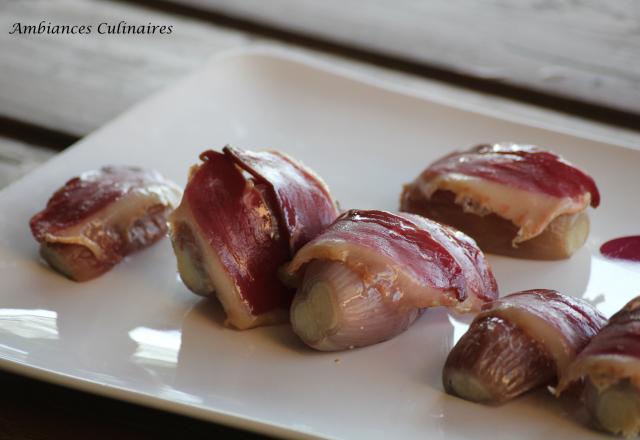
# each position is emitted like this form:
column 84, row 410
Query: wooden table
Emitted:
column 574, row 65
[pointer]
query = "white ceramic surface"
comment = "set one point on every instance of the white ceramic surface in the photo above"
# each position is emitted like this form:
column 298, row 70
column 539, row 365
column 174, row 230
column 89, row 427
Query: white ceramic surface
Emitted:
column 137, row 334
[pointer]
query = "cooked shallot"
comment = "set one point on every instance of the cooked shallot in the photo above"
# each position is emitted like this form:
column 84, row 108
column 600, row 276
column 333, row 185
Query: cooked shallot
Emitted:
column 609, row 369
column 367, row 277
column 96, row 219
column 517, row 343
column 242, row 217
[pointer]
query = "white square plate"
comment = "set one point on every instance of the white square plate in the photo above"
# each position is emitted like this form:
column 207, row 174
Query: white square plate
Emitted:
column 137, row 334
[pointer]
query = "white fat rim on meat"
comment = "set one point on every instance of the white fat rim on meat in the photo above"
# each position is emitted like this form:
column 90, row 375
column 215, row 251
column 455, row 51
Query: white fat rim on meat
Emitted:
column 120, row 215
column 530, row 211
column 604, row 370
column 393, row 281
column 539, row 330
column 238, row 312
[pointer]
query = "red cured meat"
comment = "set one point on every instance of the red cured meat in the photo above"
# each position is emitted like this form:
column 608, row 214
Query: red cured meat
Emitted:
column 83, row 196
column 522, row 166
column 304, row 204
column 243, row 216
column 238, row 224
column 574, row 322
column 424, row 253
column 621, row 336
column 96, row 219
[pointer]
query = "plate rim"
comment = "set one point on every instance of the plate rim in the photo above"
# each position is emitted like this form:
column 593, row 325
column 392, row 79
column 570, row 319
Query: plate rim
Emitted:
column 110, row 391
column 267, row 50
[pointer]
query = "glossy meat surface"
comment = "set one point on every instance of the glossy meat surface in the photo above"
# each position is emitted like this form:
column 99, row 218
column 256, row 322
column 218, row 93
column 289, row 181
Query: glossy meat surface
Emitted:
column 563, row 324
column 96, row 219
column 614, row 354
column 560, row 238
column 301, row 198
column 92, row 191
column 418, row 262
column 238, row 224
column 621, row 335
column 517, row 343
column 522, row 166
column 242, row 216
column 515, row 192
column 608, row 372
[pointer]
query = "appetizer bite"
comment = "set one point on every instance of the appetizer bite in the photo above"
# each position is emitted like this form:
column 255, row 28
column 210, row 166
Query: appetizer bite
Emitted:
column 98, row 218
column 367, row 277
column 516, row 200
column 609, row 368
column 517, row 343
column 243, row 215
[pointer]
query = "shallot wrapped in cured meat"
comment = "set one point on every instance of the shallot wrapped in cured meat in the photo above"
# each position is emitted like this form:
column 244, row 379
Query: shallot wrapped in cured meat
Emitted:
column 517, row 343
column 516, row 200
column 367, row 277
column 243, row 215
column 96, row 219
column 609, row 370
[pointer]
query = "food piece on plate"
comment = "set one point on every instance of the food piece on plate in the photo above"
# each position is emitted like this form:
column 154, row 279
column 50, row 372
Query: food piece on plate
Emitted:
column 609, row 367
column 517, row 343
column 300, row 199
column 516, row 200
column 366, row 278
column 98, row 218
column 242, row 216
